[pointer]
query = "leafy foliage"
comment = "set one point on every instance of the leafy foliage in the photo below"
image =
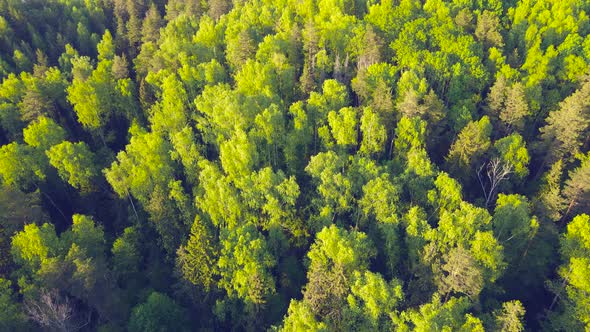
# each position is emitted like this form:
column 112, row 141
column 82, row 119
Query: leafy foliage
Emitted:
column 294, row 165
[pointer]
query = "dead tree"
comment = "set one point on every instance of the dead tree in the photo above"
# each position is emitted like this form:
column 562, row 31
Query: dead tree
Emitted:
column 495, row 172
column 55, row 312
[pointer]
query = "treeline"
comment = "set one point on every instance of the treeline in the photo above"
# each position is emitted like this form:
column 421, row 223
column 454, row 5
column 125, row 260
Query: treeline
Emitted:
column 294, row 165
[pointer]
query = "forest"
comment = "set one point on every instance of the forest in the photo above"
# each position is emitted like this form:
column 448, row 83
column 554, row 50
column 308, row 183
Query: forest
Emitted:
column 294, row 165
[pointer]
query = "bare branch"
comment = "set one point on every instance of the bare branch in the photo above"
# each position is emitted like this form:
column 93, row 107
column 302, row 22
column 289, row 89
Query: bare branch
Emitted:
column 56, row 312
column 496, row 172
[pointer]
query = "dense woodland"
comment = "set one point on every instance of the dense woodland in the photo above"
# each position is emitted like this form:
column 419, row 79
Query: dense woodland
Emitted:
column 294, row 165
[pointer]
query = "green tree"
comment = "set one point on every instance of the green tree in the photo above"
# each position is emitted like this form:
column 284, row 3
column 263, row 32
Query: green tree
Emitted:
column 371, row 300
column 513, row 225
column 75, row 164
column 171, row 114
column 245, row 265
column 549, row 200
column 11, row 316
column 373, row 131
column 334, row 256
column 106, row 49
column 158, row 313
column 196, row 259
column 567, row 126
column 446, row 196
column 238, row 156
column 18, row 209
column 510, row 318
column 577, row 189
column 92, row 108
column 471, row 144
column 144, row 164
column 301, row 318
column 467, row 228
column 88, row 236
column 43, row 133
column 334, row 187
column 126, row 255
column 411, row 157
column 439, row 316
column 515, row 108
column 380, row 198
column 575, row 273
column 343, row 125
column 34, row 245
column 513, row 152
column 217, row 197
column 21, row 166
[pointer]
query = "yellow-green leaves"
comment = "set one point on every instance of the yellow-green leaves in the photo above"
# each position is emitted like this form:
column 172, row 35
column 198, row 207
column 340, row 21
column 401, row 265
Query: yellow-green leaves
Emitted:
column 373, row 131
column 43, row 133
column 20, row 165
column 144, row 164
column 575, row 271
column 244, row 265
column 346, row 251
column 344, row 125
column 34, row 245
column 75, row 164
column 513, row 152
column 380, row 199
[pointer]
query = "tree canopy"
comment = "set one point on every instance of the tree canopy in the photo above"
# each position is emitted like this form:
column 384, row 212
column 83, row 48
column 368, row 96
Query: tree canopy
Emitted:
column 255, row 165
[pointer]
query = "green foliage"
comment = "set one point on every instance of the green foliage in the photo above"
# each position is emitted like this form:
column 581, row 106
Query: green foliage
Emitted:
column 158, row 313
column 293, row 165
column 244, row 265
column 12, row 316
column 196, row 259
column 43, row 133
column 344, row 250
column 410, row 146
column 513, row 225
column 21, row 166
column 237, row 156
column 344, row 126
column 217, row 197
column 380, row 198
column 575, row 250
column 549, row 200
column 143, row 165
column 373, row 131
column 447, row 193
column 88, row 236
column 562, row 135
column 371, row 301
column 75, row 163
column 439, row 316
column 513, row 152
column 301, row 318
column 464, row 240
column 510, row 318
column 34, row 245
column 334, row 257
column 126, row 255
column 92, row 108
column 577, row 189
column 471, row 144
column 334, row 187
column 170, row 116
